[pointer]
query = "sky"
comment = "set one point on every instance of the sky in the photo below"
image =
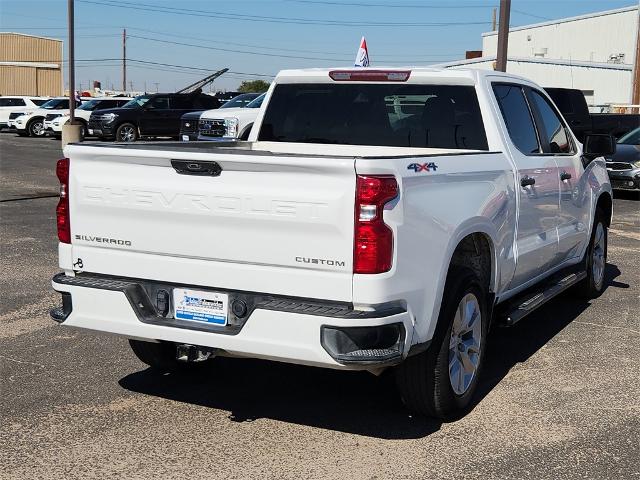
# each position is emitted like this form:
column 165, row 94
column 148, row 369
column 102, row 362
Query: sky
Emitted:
column 172, row 43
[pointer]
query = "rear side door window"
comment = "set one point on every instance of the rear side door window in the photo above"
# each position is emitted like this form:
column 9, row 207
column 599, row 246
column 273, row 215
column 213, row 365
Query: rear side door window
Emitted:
column 551, row 125
column 517, row 116
column 159, row 103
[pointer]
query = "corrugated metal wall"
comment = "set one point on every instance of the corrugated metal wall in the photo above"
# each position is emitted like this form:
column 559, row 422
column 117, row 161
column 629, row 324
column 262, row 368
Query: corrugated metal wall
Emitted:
column 30, row 80
column 25, row 48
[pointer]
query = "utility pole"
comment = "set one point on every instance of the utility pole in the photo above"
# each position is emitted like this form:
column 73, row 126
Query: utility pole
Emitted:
column 635, row 94
column 493, row 20
column 503, row 35
column 71, row 132
column 124, row 59
column 72, row 63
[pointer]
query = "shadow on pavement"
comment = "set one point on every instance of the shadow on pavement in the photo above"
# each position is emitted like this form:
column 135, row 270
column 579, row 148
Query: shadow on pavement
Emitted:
column 626, row 195
column 353, row 402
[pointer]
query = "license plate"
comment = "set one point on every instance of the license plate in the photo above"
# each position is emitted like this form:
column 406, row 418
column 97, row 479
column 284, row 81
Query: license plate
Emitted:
column 185, row 138
column 95, row 132
column 199, row 306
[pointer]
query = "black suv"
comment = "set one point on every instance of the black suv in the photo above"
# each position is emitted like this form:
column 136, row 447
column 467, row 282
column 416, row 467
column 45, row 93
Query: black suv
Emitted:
column 156, row 115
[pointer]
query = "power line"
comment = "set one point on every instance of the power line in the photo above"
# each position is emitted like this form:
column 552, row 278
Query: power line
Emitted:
column 264, row 54
column 387, row 5
column 247, row 52
column 531, row 15
column 259, row 18
column 295, row 50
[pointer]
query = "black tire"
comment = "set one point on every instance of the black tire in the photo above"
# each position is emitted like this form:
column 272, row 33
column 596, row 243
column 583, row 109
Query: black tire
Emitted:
column 84, row 133
column 127, row 132
column 36, row 127
column 159, row 356
column 593, row 285
column 424, row 379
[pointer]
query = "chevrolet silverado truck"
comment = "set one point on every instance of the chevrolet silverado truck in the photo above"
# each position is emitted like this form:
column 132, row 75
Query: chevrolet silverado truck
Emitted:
column 374, row 219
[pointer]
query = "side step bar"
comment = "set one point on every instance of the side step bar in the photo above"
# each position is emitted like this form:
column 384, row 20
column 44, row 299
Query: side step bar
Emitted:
column 522, row 305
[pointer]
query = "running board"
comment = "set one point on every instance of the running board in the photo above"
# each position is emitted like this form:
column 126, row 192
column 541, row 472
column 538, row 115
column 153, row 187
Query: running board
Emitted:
column 522, row 305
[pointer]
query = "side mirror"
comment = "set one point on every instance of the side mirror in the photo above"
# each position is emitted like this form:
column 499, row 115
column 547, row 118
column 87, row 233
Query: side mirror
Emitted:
column 598, row 145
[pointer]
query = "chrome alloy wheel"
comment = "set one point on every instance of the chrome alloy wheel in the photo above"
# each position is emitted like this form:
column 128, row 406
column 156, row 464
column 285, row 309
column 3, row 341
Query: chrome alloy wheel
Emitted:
column 38, row 128
column 127, row 134
column 598, row 257
column 464, row 344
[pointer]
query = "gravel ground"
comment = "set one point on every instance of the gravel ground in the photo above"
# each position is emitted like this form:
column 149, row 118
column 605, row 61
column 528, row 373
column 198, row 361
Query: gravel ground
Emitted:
column 559, row 397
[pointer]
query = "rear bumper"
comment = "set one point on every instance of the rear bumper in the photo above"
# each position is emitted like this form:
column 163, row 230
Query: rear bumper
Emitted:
column 307, row 332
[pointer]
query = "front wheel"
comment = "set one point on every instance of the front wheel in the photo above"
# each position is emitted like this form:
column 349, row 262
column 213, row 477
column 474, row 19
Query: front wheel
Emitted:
column 596, row 260
column 36, row 127
column 127, row 132
column 441, row 382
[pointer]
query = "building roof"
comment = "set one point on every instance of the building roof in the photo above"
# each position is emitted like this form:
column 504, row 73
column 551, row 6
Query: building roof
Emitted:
column 569, row 19
column 32, row 36
column 547, row 61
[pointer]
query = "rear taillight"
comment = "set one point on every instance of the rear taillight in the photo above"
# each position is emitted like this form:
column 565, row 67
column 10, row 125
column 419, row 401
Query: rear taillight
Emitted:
column 62, row 210
column 373, row 239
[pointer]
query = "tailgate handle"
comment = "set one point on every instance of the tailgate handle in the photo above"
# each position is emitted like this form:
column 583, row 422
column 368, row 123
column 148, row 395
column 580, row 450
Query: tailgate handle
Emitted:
column 191, row 167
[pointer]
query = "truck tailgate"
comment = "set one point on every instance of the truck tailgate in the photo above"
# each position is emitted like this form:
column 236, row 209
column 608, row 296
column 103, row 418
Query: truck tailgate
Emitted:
column 278, row 224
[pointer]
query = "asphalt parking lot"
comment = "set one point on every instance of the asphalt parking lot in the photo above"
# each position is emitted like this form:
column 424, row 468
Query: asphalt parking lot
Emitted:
column 560, row 396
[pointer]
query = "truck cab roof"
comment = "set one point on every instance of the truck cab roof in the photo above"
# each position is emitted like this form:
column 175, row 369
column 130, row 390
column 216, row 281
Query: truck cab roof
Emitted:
column 410, row 75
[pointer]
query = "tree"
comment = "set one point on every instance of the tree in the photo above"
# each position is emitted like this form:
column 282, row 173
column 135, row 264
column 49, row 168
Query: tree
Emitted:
column 253, row 86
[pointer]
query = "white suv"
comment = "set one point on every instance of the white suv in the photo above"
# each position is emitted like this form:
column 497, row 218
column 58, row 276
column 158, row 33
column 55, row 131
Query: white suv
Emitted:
column 54, row 121
column 30, row 122
column 9, row 105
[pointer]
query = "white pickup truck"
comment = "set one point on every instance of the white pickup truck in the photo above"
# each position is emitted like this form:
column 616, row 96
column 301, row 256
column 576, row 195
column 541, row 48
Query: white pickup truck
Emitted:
column 374, row 219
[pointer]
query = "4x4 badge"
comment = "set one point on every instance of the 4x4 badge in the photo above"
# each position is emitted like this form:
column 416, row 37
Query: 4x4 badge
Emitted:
column 422, row 167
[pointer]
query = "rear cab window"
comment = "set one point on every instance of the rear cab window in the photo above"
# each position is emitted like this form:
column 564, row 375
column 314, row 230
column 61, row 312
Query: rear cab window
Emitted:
column 423, row 116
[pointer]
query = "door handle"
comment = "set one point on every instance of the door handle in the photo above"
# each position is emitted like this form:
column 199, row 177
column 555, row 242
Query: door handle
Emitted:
column 527, row 181
column 565, row 176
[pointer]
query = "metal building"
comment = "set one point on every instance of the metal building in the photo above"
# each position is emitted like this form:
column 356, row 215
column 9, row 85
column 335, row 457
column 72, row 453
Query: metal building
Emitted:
column 593, row 53
column 30, row 65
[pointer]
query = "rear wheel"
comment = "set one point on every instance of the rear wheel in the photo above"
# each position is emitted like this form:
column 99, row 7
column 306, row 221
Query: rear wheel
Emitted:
column 596, row 259
column 36, row 127
column 159, row 356
column 441, row 382
column 127, row 132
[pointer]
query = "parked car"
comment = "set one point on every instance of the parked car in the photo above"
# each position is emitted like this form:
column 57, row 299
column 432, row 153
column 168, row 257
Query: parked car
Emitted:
column 573, row 106
column 156, row 115
column 241, row 100
column 53, row 122
column 229, row 123
column 624, row 164
column 339, row 236
column 12, row 104
column 31, row 122
column 189, row 126
column 224, row 97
